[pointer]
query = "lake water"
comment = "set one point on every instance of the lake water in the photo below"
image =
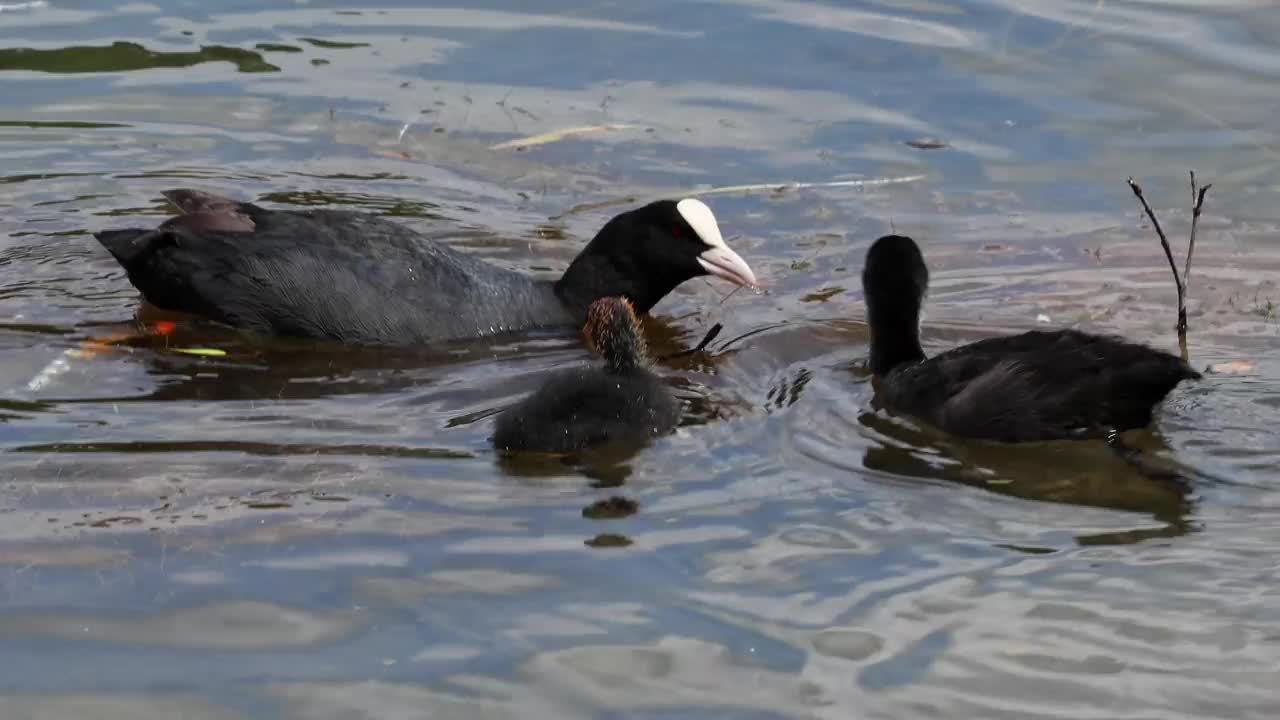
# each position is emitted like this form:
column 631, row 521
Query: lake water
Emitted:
column 313, row 532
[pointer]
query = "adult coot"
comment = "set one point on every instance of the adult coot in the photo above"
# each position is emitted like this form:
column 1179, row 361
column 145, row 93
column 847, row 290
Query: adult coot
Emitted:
column 1033, row 386
column 358, row 278
column 589, row 406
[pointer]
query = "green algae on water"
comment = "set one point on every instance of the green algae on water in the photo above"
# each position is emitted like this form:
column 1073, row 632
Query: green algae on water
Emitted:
column 124, row 56
column 278, row 47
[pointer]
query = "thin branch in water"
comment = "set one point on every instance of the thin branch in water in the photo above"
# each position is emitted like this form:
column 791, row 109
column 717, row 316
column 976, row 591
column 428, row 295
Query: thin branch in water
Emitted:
column 785, row 186
column 1197, row 204
column 706, row 339
column 1168, row 253
column 584, row 207
column 775, row 187
column 700, row 347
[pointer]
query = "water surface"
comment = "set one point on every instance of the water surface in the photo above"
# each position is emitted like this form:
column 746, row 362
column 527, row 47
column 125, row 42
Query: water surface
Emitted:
column 314, row 532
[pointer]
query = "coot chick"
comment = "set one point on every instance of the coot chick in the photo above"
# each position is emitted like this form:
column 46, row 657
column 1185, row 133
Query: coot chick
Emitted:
column 1034, row 386
column 585, row 407
column 358, row 278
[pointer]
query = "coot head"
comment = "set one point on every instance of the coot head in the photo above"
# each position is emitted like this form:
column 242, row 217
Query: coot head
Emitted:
column 613, row 331
column 895, row 281
column 645, row 253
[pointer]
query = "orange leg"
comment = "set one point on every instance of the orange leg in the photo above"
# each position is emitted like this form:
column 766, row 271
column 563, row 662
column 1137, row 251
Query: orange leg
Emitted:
column 104, row 343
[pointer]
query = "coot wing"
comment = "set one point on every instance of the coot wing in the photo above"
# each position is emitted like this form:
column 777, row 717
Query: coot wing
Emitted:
column 320, row 274
column 1038, row 385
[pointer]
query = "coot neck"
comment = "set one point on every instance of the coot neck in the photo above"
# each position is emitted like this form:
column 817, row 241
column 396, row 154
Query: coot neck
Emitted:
column 895, row 337
column 597, row 273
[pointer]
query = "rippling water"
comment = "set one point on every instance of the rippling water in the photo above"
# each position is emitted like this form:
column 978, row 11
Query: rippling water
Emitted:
column 314, row 532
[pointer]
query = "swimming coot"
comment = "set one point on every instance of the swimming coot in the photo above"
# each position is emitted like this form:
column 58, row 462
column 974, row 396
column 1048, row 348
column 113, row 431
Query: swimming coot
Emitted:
column 358, row 278
column 1034, row 386
column 591, row 406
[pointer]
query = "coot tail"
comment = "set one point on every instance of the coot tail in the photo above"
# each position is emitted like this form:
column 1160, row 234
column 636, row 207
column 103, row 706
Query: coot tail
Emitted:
column 621, row 401
column 121, row 244
column 1038, row 385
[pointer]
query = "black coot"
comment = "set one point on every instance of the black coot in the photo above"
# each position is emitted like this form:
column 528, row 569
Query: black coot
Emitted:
column 358, row 278
column 1034, row 386
column 621, row 401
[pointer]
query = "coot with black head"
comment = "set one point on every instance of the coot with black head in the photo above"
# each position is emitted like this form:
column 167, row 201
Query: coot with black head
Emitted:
column 1040, row 385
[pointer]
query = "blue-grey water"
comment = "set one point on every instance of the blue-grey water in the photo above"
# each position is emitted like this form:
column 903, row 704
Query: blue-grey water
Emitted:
column 316, row 532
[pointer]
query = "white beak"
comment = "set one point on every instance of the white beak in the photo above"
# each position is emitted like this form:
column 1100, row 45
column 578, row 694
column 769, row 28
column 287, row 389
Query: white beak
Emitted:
column 725, row 263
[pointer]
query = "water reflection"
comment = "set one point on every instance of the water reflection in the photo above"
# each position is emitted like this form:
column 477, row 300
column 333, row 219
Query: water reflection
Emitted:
column 114, row 706
column 605, row 467
column 225, row 626
column 292, row 530
column 1079, row 473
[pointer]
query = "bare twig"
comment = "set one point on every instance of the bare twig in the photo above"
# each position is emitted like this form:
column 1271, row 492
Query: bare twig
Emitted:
column 1197, row 203
column 700, row 347
column 1168, row 253
column 783, row 187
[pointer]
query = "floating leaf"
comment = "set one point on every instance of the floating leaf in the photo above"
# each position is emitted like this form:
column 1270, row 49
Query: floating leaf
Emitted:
column 822, row 295
column 928, row 143
column 557, row 135
column 318, row 42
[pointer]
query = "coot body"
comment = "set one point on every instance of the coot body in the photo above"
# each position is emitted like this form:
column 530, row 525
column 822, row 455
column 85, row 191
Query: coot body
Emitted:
column 1040, row 385
column 358, row 278
column 620, row 401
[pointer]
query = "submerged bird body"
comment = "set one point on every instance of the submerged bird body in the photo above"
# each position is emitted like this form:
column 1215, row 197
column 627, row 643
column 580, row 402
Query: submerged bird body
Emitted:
column 621, row 401
column 358, row 278
column 1033, row 386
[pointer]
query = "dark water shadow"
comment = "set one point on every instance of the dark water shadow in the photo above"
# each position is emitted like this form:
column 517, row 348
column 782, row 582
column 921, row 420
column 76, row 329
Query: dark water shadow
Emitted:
column 1088, row 473
column 255, row 367
column 244, row 366
column 606, row 467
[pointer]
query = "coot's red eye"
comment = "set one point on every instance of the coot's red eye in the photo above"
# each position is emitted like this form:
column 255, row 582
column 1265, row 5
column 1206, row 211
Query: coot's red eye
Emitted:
column 675, row 230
